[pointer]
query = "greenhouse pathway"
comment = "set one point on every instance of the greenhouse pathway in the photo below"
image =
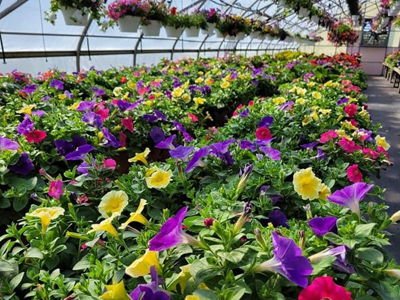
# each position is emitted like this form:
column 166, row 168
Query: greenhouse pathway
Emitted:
column 384, row 107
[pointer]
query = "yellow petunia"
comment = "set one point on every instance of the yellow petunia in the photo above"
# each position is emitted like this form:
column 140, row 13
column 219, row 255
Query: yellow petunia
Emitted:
column 117, row 91
column 192, row 297
column 186, row 85
column 329, row 83
column 316, row 95
column 301, row 101
column 46, row 214
column 335, row 84
column 141, row 266
column 306, row 184
column 113, row 203
column 225, row 84
column 116, row 291
column 100, row 135
column 199, row 80
column 176, row 93
column 293, row 90
column 209, row 81
column 227, row 78
column 301, row 92
column 324, row 192
column 186, row 97
column 311, row 84
column 200, row 73
column 199, row 100
column 131, row 85
column 279, row 100
column 74, row 106
column 62, row 96
column 141, row 157
column 27, row 109
column 314, row 115
column 182, row 279
column 325, row 111
column 149, row 103
column 159, row 179
column 105, row 225
column 306, row 120
column 381, row 141
column 137, row 216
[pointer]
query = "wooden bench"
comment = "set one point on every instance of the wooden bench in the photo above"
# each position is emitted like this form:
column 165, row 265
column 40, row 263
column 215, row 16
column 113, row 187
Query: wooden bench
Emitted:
column 386, row 70
column 396, row 76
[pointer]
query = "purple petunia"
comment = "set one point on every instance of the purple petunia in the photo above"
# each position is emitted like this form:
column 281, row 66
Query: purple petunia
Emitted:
column 182, row 129
column 29, row 89
column 309, row 146
column 150, row 118
column 247, row 145
column 160, row 115
column 245, row 113
column 150, row 291
column 181, row 152
column 110, row 139
column 64, row 147
column 57, row 84
column 286, row 105
column 266, row 121
column 271, row 153
column 98, row 92
column 351, row 195
column 221, row 151
column 86, row 106
column 80, row 152
column 342, row 101
column 39, row 113
column 92, row 119
column 7, row 144
column 23, row 166
column 196, row 159
column 321, row 226
column 287, row 261
column 278, row 218
column 320, row 154
column 124, row 105
column 167, row 143
column 157, row 135
column 26, row 125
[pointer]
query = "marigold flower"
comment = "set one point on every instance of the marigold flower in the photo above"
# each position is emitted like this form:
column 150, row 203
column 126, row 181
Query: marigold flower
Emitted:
column 113, row 203
column 306, row 184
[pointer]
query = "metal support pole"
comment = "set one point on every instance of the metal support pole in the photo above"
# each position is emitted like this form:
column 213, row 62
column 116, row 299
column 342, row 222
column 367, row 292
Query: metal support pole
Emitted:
column 11, row 8
column 201, row 45
column 80, row 42
column 136, row 48
column 2, row 50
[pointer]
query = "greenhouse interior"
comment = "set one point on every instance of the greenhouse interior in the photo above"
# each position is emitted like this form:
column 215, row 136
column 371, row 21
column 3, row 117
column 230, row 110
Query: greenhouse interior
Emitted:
column 200, row 149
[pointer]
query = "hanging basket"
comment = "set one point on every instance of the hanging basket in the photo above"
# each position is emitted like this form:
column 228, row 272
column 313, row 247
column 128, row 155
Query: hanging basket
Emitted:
column 397, row 4
column 393, row 11
column 192, row 32
column 385, row 22
column 219, row 34
column 74, row 17
column 315, row 19
column 173, row 32
column 303, row 12
column 129, row 24
column 255, row 35
column 298, row 40
column 210, row 30
column 230, row 37
column 269, row 38
column 240, row 36
column 152, row 29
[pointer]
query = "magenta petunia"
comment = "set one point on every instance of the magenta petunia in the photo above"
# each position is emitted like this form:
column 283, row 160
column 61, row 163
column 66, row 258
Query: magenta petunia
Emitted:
column 56, row 189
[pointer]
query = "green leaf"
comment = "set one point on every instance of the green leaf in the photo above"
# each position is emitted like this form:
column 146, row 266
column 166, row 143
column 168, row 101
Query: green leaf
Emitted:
column 52, row 262
column 20, row 203
column 16, row 280
column 205, row 294
column 326, row 262
column 28, row 184
column 34, row 253
column 234, row 256
column 334, row 238
column 83, row 264
column 364, row 230
column 370, row 254
column 4, row 202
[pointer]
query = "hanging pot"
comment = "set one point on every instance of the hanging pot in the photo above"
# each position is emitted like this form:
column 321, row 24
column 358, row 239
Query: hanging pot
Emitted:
column 289, row 39
column 129, row 24
column 315, row 19
column 303, row 12
column 240, row 36
column 73, row 16
column 153, row 29
column 385, row 22
column 219, row 34
column 298, row 40
column 173, row 32
column 397, row 4
column 282, row 3
column 192, row 32
column 230, row 37
column 210, row 30
column 269, row 38
column 255, row 35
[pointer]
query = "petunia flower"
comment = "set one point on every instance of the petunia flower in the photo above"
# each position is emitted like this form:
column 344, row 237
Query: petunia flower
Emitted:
column 306, row 184
column 278, row 218
column 141, row 157
column 351, row 195
column 80, row 152
column 348, row 146
column 381, row 141
column 247, row 145
column 181, row 152
column 105, row 225
column 287, row 261
column 328, row 136
column 273, row 154
column 354, row 174
column 350, row 110
column 167, row 143
column 171, row 234
column 324, row 288
column 221, row 150
column 23, row 166
column 64, row 147
column 137, row 216
column 116, row 291
column 26, row 109
column 141, row 266
column 127, row 123
column 7, row 144
column 92, row 119
column 157, row 134
column 56, row 189
column 158, row 178
column 309, row 146
column 57, row 84
column 110, row 139
column 263, row 133
column 35, row 136
column 26, row 125
column 113, row 203
column 46, row 214
column 196, row 159
column 321, row 226
column 150, row 291
column 86, row 106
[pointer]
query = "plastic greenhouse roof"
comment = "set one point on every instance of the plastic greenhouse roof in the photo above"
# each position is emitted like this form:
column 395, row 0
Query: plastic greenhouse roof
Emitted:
column 30, row 43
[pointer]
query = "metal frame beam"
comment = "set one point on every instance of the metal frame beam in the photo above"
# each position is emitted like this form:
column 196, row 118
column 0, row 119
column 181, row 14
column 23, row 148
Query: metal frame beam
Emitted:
column 80, row 42
column 11, row 8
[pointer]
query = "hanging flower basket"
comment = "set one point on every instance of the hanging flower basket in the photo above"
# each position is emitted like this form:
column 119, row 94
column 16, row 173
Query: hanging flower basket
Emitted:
column 152, row 29
column 230, row 37
column 385, row 22
column 74, row 17
column 289, row 39
column 341, row 34
column 303, row 12
column 192, row 32
column 129, row 24
column 219, row 34
column 173, row 32
column 255, row 35
column 209, row 30
column 240, row 36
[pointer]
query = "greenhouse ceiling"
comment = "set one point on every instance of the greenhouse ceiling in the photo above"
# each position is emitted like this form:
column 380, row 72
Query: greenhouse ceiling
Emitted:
column 27, row 38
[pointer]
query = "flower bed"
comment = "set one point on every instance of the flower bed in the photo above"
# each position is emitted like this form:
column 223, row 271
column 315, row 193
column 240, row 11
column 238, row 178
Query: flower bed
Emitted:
column 228, row 178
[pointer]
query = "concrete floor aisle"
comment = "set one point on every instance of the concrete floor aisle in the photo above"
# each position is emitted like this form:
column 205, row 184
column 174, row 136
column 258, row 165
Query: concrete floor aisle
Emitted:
column 384, row 107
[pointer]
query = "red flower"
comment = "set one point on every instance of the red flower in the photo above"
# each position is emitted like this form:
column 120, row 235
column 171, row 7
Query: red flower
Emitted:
column 123, row 80
column 263, row 133
column 354, row 174
column 122, row 139
column 36, row 136
column 56, row 189
column 173, row 10
column 324, row 288
column 208, row 222
column 353, row 122
column 351, row 110
column 193, row 117
column 127, row 123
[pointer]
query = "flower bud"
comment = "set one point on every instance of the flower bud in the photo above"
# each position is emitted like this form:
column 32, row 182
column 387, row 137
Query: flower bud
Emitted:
column 245, row 177
column 307, row 208
column 208, row 222
column 302, row 241
column 260, row 239
column 243, row 217
column 393, row 272
column 395, row 217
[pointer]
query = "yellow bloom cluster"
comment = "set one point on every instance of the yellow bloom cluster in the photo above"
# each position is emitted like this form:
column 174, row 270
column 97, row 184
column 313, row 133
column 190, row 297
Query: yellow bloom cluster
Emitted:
column 308, row 186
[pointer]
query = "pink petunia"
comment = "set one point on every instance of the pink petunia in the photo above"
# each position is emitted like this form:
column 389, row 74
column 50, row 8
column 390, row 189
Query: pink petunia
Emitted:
column 370, row 153
column 350, row 110
column 56, row 189
column 328, row 136
column 122, row 139
column 35, row 136
column 354, row 174
column 103, row 113
column 263, row 133
column 193, row 117
column 109, row 163
column 349, row 146
column 127, row 123
column 324, row 288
